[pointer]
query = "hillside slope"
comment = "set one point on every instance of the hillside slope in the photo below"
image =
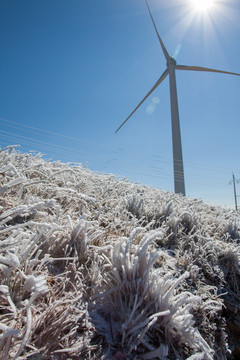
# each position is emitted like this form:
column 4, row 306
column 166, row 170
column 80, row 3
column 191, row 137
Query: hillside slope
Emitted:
column 95, row 267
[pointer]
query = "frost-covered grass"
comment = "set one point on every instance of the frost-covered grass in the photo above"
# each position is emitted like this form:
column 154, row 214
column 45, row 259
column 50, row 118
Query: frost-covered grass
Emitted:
column 93, row 267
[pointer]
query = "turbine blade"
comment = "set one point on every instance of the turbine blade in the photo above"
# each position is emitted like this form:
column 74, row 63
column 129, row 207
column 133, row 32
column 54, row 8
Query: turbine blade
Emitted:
column 200, row 68
column 149, row 93
column 159, row 38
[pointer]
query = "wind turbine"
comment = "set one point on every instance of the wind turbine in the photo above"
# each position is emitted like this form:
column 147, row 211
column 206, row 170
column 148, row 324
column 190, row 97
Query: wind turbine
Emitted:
column 179, row 184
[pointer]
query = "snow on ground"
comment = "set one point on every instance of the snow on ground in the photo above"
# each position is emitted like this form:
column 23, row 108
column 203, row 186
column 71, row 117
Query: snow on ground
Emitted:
column 95, row 267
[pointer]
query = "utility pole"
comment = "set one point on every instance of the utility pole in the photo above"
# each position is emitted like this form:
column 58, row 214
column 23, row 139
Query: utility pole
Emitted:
column 234, row 181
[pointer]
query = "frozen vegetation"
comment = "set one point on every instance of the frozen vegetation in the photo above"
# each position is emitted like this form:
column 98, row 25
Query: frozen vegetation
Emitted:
column 95, row 267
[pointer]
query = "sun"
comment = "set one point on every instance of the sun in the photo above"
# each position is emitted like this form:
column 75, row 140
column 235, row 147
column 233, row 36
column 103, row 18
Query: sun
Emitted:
column 203, row 5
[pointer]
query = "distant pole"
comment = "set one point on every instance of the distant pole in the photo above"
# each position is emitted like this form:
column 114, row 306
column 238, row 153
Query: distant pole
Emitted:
column 234, row 190
column 235, row 195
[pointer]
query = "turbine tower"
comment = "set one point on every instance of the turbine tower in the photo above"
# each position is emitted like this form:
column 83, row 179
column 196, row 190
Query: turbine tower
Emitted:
column 179, row 183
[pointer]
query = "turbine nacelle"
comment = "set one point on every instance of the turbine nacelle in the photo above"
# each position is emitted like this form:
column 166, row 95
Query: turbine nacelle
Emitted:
column 171, row 61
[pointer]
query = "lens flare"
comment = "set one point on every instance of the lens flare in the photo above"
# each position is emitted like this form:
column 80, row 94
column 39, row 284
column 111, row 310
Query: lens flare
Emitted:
column 202, row 5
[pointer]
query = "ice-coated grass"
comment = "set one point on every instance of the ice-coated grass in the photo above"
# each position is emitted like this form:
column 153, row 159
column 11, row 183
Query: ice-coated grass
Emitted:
column 95, row 267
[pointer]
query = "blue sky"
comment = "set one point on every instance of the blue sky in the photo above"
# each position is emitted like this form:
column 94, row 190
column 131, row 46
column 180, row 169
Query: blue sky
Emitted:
column 71, row 71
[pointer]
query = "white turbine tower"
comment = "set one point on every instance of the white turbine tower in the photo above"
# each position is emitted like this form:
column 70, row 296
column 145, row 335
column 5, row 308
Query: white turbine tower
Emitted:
column 179, row 184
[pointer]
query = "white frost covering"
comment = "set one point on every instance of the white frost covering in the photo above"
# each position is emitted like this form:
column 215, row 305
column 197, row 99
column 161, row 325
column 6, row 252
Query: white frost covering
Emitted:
column 10, row 260
column 36, row 284
column 95, row 267
column 142, row 301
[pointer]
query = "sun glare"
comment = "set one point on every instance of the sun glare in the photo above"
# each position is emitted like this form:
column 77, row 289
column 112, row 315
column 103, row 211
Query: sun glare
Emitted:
column 203, row 5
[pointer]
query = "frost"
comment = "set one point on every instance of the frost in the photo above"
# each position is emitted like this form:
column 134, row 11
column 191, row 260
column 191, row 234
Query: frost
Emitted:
column 95, row 267
column 10, row 184
column 145, row 301
column 10, row 260
column 36, row 284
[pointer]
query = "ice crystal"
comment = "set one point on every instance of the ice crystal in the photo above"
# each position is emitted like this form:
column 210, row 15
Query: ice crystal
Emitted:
column 95, row 267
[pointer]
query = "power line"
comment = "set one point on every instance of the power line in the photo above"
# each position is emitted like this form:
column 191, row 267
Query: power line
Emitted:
column 109, row 159
column 37, row 130
column 91, row 157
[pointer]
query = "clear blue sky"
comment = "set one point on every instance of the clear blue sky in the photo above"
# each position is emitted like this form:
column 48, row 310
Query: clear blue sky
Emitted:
column 72, row 70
